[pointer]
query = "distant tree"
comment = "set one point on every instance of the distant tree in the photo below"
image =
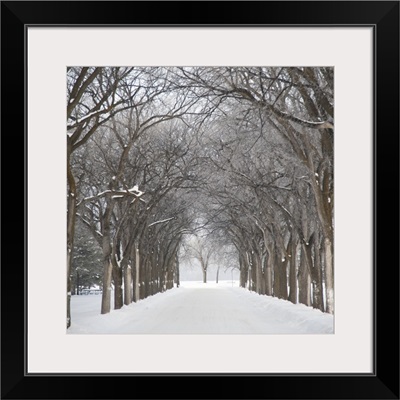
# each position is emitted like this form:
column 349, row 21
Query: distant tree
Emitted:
column 202, row 250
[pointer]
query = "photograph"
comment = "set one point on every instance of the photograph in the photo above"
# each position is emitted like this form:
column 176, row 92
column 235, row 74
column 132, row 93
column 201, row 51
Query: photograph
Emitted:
column 200, row 200
column 209, row 190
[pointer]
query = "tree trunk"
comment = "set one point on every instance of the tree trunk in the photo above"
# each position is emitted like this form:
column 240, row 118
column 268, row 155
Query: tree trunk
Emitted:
column 317, row 279
column 107, row 270
column 293, row 273
column 145, row 277
column 204, row 275
column 137, row 274
column 117, row 277
column 77, row 283
column 268, row 275
column 304, row 281
column 134, row 289
column 107, row 264
column 325, row 216
column 329, row 280
column 143, row 267
column 243, row 270
column 106, row 296
column 253, row 277
column 216, row 278
column 259, row 274
column 249, row 275
column 133, row 275
column 71, row 217
column 177, row 278
column 280, row 278
column 127, row 285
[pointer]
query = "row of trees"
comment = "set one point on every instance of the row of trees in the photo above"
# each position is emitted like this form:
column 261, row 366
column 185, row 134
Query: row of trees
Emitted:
column 114, row 146
column 273, row 193
column 247, row 151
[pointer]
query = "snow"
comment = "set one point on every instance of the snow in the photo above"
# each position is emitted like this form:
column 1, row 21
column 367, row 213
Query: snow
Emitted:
column 135, row 190
column 87, row 116
column 161, row 221
column 103, row 113
column 198, row 308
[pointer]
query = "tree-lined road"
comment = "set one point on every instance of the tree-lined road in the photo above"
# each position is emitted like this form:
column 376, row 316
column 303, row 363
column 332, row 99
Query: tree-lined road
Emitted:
column 228, row 166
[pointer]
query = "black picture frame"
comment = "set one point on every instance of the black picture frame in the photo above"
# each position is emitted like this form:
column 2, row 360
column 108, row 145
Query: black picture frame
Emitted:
column 383, row 383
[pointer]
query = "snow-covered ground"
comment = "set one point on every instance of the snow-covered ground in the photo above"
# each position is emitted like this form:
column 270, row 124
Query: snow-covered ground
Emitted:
column 198, row 308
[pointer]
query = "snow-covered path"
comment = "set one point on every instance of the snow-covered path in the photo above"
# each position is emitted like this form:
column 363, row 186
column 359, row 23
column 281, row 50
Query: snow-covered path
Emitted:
column 197, row 308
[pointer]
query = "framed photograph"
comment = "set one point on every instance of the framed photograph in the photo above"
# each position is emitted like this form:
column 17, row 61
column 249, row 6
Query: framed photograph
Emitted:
column 269, row 165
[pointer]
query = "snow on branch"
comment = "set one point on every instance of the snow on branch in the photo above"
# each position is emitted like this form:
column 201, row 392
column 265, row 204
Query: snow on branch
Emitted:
column 160, row 222
column 135, row 191
column 307, row 124
column 115, row 194
column 104, row 113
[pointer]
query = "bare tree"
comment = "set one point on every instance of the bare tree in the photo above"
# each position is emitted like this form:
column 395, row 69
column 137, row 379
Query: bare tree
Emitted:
column 201, row 250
